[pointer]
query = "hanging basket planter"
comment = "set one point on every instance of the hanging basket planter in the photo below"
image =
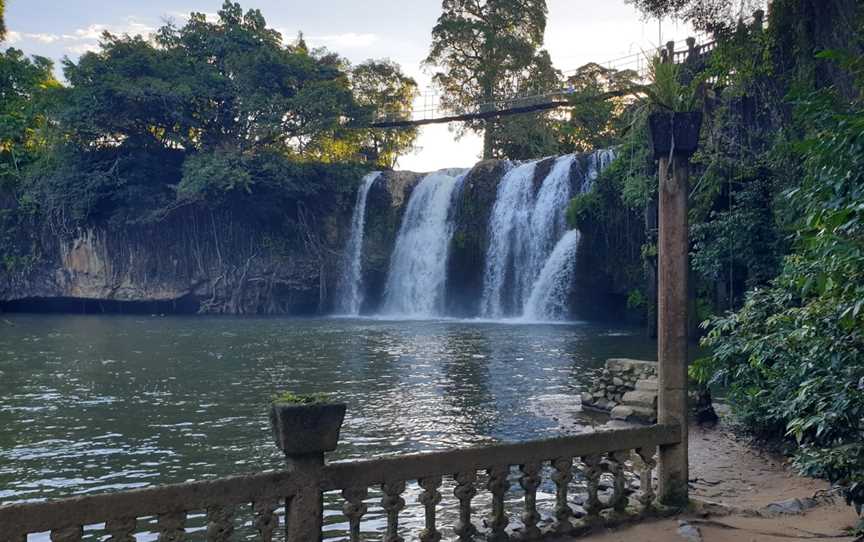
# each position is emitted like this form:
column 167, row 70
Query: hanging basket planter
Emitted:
column 674, row 133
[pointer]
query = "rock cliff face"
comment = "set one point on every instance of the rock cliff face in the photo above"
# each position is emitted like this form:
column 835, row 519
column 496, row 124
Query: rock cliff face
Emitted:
column 384, row 208
column 474, row 204
column 195, row 261
column 198, row 260
column 211, row 262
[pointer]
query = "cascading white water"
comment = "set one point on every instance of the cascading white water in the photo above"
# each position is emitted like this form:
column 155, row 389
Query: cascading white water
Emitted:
column 509, row 237
column 524, row 229
column 548, row 299
column 418, row 266
column 549, row 216
column 350, row 297
column 597, row 162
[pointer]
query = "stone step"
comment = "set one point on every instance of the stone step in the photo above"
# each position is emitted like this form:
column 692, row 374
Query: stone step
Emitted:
column 645, row 384
column 642, row 398
column 633, row 413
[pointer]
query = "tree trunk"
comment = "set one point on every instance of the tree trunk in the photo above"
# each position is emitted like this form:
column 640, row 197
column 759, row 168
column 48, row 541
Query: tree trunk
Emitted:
column 487, row 140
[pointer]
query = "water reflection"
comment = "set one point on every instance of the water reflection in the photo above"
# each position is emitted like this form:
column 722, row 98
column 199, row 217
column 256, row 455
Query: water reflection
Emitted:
column 91, row 403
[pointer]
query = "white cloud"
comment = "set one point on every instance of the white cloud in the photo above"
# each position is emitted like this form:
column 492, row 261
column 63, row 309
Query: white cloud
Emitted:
column 82, row 48
column 348, row 40
column 82, row 40
column 92, row 32
column 43, row 38
column 209, row 16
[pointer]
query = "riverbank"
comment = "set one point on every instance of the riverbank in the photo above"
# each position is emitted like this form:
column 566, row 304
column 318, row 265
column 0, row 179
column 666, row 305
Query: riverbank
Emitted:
column 742, row 493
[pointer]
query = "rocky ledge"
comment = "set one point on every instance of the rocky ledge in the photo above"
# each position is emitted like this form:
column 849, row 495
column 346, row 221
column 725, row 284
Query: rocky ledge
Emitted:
column 627, row 389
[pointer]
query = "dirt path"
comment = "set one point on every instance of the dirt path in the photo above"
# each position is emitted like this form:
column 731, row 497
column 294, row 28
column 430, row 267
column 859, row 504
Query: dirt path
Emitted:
column 761, row 493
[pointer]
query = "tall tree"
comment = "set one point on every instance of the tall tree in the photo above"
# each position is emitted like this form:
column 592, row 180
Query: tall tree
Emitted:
column 528, row 135
column 26, row 87
column 594, row 123
column 380, row 84
column 709, row 15
column 2, row 20
column 481, row 47
column 214, row 111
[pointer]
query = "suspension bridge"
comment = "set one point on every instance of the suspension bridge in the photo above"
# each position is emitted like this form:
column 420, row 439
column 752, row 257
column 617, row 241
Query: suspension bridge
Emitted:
column 428, row 109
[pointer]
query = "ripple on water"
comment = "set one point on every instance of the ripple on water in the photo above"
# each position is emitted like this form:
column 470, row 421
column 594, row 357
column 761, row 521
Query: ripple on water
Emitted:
column 154, row 401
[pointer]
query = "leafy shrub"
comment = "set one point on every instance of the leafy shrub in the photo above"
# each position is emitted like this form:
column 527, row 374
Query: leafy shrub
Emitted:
column 793, row 356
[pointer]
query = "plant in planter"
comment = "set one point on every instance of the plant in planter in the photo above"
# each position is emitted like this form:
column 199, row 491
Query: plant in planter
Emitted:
column 673, row 123
column 306, row 424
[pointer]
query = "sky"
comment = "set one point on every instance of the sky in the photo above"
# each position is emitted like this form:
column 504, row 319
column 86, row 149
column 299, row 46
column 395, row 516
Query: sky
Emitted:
column 577, row 32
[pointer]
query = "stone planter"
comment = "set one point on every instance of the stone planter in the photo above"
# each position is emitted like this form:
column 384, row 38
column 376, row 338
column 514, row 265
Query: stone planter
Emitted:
column 678, row 131
column 306, row 428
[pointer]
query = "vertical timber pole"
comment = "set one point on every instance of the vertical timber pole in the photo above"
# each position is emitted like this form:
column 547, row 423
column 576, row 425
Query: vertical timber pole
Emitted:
column 672, row 245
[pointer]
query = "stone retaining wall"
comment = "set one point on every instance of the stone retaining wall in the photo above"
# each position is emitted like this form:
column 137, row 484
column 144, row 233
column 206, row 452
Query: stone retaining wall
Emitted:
column 619, row 377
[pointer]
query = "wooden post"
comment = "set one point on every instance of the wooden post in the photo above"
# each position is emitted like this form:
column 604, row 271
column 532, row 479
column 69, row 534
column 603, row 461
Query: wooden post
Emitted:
column 673, row 246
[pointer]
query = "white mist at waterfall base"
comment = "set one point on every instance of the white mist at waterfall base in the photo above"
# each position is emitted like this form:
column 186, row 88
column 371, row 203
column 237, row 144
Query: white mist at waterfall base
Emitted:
column 551, row 292
column 350, row 296
column 417, row 277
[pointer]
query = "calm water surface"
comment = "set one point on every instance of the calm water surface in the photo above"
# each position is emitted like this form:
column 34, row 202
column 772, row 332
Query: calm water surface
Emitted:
column 101, row 403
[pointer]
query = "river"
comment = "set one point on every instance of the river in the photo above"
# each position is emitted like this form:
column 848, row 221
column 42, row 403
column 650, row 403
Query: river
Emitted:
column 92, row 403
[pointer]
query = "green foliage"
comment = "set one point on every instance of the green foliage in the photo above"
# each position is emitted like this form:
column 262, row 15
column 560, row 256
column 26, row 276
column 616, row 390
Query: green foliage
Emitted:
column 742, row 239
column 27, row 90
column 636, row 299
column 595, row 123
column 214, row 113
column 382, row 85
column 529, row 135
column 486, row 50
column 614, row 232
column 710, row 15
column 667, row 90
column 584, row 209
column 793, row 356
column 291, row 398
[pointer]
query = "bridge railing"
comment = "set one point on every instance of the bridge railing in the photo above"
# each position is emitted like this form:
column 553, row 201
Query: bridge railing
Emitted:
column 598, row 478
column 427, row 106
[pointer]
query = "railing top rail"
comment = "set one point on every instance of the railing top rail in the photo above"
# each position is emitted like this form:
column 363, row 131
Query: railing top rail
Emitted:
column 91, row 509
column 94, row 509
column 449, row 462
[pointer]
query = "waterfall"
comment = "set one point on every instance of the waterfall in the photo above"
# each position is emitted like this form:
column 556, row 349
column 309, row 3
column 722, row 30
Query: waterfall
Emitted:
column 549, row 217
column 523, row 232
column 350, row 295
column 418, row 265
column 548, row 300
column 597, row 162
column 509, row 240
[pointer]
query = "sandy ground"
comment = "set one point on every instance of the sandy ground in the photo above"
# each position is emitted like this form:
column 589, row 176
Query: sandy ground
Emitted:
column 725, row 470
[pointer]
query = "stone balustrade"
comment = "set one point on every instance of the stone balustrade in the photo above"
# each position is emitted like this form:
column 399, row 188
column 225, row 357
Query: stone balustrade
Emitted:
column 288, row 504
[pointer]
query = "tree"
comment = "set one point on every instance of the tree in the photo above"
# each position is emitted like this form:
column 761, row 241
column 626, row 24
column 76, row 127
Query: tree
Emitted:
column 382, row 85
column 26, row 88
column 594, row 123
column 2, row 20
column 484, row 48
column 528, row 135
column 150, row 124
column 708, row 15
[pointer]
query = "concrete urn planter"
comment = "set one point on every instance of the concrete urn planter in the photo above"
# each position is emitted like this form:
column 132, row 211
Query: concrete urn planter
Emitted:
column 300, row 429
column 676, row 133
